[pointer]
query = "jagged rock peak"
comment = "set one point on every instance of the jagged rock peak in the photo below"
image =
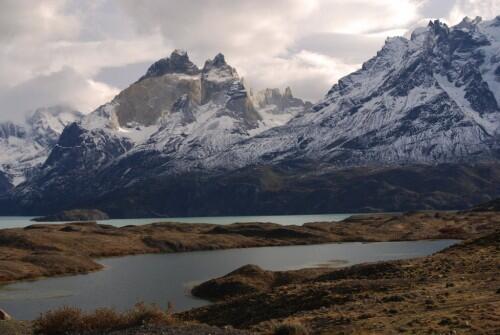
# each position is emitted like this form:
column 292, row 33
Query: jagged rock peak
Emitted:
column 468, row 23
column 219, row 60
column 281, row 101
column 218, row 63
column 178, row 62
column 438, row 27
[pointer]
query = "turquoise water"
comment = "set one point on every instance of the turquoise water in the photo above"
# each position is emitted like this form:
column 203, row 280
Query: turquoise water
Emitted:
column 23, row 221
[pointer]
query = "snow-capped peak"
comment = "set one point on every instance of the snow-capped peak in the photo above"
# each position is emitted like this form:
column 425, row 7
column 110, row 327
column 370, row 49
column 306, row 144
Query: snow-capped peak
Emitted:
column 469, row 24
column 25, row 146
column 48, row 123
column 433, row 98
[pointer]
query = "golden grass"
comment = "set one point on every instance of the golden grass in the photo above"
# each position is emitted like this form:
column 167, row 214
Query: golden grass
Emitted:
column 73, row 320
column 290, row 328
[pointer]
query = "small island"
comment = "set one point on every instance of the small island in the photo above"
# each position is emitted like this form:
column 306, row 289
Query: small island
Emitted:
column 74, row 215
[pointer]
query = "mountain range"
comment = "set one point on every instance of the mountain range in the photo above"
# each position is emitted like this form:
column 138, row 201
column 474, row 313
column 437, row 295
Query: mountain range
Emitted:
column 418, row 126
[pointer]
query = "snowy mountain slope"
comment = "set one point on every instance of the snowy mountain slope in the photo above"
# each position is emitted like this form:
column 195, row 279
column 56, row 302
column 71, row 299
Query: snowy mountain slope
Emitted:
column 173, row 90
column 199, row 124
column 26, row 146
column 430, row 99
column 176, row 115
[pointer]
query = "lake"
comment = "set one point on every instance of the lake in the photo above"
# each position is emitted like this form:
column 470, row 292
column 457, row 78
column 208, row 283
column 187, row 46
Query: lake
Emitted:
column 168, row 277
column 23, row 221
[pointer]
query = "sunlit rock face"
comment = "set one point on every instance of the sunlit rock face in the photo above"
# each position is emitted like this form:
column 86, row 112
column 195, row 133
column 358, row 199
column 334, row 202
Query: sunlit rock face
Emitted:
column 154, row 94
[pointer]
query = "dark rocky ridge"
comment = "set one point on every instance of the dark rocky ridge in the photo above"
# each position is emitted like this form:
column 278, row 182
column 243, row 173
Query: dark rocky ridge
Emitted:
column 25, row 145
column 5, row 184
column 178, row 62
column 280, row 190
column 490, row 206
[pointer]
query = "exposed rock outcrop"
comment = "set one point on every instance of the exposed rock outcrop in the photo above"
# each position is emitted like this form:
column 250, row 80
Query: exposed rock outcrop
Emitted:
column 4, row 316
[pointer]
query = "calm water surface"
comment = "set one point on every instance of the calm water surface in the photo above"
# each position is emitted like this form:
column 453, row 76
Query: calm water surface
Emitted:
column 168, row 277
column 23, row 221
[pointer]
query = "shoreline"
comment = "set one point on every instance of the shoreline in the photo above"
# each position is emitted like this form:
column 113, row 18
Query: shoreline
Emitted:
column 384, row 296
column 453, row 290
column 47, row 250
column 342, row 263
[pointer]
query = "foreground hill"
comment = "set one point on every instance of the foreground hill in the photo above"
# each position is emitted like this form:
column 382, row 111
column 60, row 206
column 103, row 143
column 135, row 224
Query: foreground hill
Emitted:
column 453, row 291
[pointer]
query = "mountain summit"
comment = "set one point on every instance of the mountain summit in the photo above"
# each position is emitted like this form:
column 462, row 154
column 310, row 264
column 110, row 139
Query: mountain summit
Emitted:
column 429, row 99
column 190, row 141
column 178, row 62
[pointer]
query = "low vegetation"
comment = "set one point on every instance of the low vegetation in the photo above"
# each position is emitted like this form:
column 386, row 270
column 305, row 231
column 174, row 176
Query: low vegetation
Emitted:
column 69, row 320
column 456, row 290
column 290, row 328
column 453, row 291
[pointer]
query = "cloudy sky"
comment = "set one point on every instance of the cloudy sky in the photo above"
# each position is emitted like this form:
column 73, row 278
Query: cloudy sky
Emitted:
column 82, row 53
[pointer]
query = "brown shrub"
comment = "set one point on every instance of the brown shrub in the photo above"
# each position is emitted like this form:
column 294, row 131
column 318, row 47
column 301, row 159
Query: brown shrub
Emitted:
column 59, row 322
column 290, row 328
column 103, row 319
column 69, row 320
column 148, row 314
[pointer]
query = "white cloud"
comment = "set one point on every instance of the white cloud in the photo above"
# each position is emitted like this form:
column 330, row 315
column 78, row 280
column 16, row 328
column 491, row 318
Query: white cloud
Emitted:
column 63, row 47
column 35, row 20
column 65, row 87
column 487, row 9
column 306, row 72
column 267, row 40
column 57, row 47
